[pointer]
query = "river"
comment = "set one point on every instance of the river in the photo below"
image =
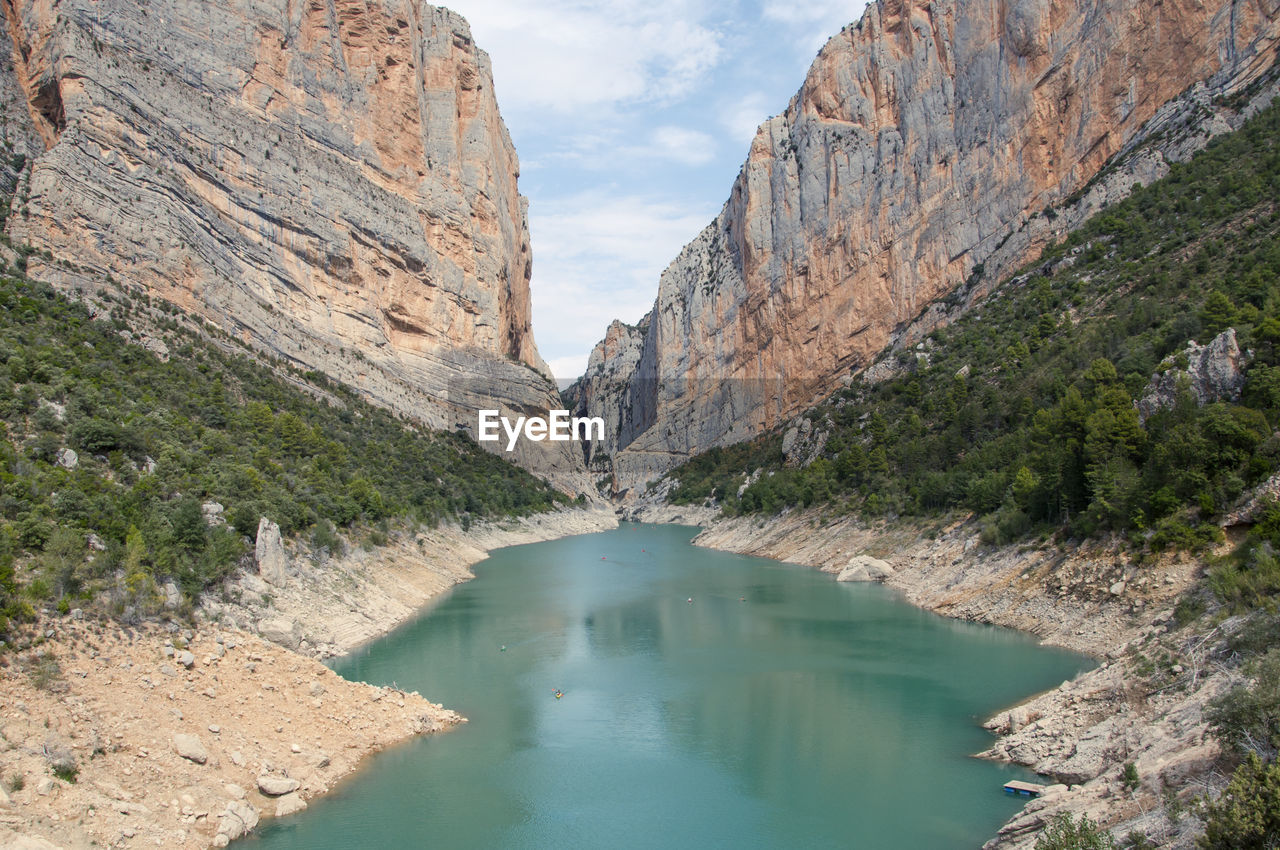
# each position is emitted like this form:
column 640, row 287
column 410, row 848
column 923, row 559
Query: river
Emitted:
column 708, row 700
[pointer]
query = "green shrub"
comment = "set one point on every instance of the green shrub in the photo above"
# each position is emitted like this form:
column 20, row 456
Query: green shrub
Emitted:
column 1065, row 833
column 46, row 674
column 1247, row 718
column 158, row 438
column 1129, row 777
column 1247, row 815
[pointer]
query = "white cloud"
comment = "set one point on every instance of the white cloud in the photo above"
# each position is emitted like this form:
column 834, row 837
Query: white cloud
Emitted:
column 678, row 144
column 813, row 23
column 834, row 13
column 598, row 257
column 742, row 116
column 669, row 143
column 568, row 369
column 565, row 55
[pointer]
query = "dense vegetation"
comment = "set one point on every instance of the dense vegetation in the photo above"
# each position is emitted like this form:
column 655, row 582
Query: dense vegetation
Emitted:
column 1022, row 411
column 156, row 439
column 1247, row 721
column 1065, row 833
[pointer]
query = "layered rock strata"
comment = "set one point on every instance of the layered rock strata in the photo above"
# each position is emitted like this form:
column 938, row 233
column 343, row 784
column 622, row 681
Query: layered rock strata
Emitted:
column 328, row 180
column 932, row 144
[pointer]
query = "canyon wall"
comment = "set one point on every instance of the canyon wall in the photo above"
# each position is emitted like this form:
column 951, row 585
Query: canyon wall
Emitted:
column 330, row 181
column 932, row 145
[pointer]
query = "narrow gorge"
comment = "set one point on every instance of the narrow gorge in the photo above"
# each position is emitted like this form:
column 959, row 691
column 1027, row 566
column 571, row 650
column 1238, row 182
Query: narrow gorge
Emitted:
column 990, row 316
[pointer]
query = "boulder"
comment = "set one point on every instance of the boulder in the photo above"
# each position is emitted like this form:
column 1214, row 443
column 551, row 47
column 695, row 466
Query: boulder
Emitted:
column 281, row 630
column 237, row 819
column 865, row 568
column 68, row 459
column 213, row 513
column 290, row 803
column 186, row 659
column 277, row 786
column 273, row 563
column 172, row 596
column 190, row 748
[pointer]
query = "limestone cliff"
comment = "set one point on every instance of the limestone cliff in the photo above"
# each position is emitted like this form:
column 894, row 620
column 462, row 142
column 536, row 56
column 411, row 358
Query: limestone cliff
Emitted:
column 931, row 144
column 615, row 391
column 329, row 180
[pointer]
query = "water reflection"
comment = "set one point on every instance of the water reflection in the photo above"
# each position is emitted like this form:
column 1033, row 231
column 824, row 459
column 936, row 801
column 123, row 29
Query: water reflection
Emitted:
column 775, row 709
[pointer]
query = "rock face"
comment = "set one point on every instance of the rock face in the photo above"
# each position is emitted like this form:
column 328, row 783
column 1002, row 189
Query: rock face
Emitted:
column 865, row 568
column 269, row 553
column 932, row 143
column 615, row 390
column 1214, row 372
column 329, row 181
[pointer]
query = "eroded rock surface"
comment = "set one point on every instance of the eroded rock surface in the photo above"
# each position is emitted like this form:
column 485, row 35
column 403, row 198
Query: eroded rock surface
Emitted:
column 1213, row 372
column 933, row 147
column 330, row 182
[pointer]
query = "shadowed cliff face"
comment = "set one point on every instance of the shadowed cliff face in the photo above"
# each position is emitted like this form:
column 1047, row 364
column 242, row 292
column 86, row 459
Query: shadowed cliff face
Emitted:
column 330, row 180
column 927, row 139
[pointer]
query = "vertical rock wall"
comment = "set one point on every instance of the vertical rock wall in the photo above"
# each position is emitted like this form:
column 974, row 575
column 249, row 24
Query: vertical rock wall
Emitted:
column 926, row 144
column 330, row 180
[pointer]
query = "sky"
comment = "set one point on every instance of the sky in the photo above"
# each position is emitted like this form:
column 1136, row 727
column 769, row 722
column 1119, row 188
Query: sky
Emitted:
column 631, row 120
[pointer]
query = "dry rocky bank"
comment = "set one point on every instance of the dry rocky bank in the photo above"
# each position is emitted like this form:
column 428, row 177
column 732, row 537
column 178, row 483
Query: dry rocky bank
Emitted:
column 185, row 738
column 1142, row 704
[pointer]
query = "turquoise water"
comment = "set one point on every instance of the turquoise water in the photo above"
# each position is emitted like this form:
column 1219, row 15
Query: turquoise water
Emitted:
column 777, row 709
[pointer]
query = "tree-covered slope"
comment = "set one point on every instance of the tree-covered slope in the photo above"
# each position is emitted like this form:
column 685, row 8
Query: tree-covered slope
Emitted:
column 155, row 439
column 1023, row 411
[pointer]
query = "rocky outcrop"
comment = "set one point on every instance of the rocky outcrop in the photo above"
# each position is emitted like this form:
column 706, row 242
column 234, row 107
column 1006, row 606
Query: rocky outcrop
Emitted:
column 1213, row 372
column 328, row 181
column 803, row 443
column 865, row 568
column 615, row 390
column 238, row 819
column 268, row 552
column 933, row 148
column 290, row 804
